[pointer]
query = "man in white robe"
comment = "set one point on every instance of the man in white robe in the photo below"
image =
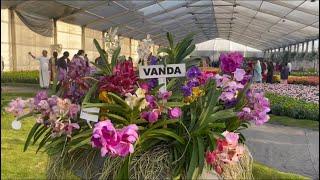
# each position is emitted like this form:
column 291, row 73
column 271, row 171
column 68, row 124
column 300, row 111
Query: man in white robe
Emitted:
column 44, row 73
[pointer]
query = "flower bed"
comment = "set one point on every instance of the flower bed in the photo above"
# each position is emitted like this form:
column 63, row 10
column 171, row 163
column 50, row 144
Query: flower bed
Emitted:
column 297, row 91
column 197, row 119
column 305, row 80
column 287, row 106
column 20, row 77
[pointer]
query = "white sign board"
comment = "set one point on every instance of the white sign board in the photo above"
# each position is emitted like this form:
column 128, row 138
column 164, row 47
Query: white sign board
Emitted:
column 85, row 114
column 161, row 71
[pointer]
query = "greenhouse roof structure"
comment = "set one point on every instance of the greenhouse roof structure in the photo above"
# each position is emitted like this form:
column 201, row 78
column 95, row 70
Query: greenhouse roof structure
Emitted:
column 260, row 24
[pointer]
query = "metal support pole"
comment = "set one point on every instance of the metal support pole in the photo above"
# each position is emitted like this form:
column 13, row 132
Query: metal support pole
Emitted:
column 13, row 42
column 312, row 46
column 130, row 47
column 83, row 37
column 307, row 45
column 103, row 45
column 55, row 32
column 302, row 47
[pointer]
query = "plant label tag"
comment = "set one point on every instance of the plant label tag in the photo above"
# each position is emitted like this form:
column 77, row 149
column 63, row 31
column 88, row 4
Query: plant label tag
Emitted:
column 86, row 113
column 163, row 81
column 162, row 71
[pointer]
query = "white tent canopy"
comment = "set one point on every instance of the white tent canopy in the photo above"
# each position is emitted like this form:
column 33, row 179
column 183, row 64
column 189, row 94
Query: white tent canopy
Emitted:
column 259, row 24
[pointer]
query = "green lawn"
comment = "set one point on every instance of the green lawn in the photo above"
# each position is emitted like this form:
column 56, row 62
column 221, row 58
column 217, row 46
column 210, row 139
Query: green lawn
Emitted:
column 16, row 164
column 263, row 172
column 288, row 121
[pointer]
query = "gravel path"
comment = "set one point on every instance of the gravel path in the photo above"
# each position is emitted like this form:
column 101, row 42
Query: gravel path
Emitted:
column 287, row 149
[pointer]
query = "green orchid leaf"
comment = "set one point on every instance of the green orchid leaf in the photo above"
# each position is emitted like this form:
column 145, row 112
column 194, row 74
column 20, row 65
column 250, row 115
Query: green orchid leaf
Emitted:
column 30, row 135
column 115, row 57
column 201, row 154
column 89, row 94
column 194, row 161
column 124, row 170
column 103, row 56
column 175, row 104
column 119, row 100
column 44, row 140
column 38, row 134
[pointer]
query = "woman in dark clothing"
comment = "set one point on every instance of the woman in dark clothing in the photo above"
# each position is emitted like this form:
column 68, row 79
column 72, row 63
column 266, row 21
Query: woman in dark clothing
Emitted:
column 284, row 74
column 270, row 72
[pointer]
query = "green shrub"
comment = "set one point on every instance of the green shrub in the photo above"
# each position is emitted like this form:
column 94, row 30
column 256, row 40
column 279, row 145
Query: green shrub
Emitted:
column 20, row 77
column 287, row 106
column 304, row 73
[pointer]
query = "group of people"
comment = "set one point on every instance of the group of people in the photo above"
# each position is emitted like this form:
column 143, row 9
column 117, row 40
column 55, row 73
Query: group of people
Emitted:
column 49, row 67
column 264, row 71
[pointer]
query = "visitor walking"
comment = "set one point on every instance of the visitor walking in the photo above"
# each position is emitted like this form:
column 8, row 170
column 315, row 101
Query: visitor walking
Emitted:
column 52, row 65
column 63, row 61
column 290, row 67
column 257, row 77
column 44, row 73
column 284, row 73
column 80, row 54
column 270, row 72
column 264, row 71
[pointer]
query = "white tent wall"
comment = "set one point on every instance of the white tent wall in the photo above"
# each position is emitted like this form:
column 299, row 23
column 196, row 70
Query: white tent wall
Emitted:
column 89, row 47
column 216, row 46
column 5, row 40
column 68, row 35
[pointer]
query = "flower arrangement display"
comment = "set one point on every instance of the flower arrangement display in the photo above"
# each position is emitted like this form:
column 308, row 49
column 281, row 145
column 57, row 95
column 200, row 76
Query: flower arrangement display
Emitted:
column 73, row 82
column 197, row 118
column 297, row 91
column 52, row 113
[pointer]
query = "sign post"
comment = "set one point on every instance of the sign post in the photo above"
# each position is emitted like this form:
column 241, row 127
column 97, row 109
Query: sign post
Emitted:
column 162, row 72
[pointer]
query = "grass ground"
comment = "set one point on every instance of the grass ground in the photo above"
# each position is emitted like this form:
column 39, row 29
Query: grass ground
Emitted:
column 263, row 172
column 16, row 164
column 287, row 121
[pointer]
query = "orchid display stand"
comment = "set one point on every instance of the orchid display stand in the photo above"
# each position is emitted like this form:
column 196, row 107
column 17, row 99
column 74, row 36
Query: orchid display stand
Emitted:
column 153, row 164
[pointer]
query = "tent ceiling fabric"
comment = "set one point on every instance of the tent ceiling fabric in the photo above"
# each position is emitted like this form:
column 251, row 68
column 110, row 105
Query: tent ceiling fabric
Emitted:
column 260, row 24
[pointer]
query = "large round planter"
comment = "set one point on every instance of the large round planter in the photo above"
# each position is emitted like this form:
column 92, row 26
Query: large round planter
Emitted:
column 154, row 164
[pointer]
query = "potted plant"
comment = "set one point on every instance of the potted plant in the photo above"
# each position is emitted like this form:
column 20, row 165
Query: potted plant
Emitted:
column 110, row 124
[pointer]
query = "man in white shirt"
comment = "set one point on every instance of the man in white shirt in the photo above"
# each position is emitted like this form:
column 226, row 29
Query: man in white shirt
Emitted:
column 44, row 73
column 289, row 66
